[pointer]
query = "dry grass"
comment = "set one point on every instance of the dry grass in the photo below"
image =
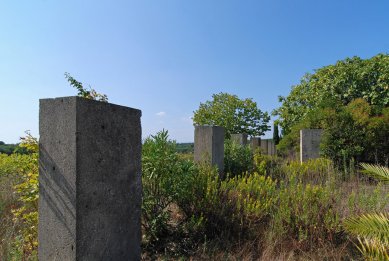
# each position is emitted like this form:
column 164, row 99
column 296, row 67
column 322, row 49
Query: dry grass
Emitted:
column 8, row 202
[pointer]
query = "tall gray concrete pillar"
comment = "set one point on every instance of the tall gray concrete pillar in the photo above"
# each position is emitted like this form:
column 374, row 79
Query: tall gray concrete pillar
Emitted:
column 240, row 138
column 271, row 150
column 310, row 144
column 89, row 180
column 255, row 143
column 209, row 146
column 264, row 147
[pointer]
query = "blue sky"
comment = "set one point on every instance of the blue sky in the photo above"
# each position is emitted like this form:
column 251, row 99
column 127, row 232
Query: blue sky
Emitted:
column 165, row 57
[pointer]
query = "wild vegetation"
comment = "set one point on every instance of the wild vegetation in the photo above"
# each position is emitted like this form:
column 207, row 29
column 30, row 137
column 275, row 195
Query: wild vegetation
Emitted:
column 349, row 100
column 266, row 207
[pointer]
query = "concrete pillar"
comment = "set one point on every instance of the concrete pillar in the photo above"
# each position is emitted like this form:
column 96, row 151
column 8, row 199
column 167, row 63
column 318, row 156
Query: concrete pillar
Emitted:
column 310, row 144
column 89, row 180
column 264, row 147
column 240, row 138
column 209, row 145
column 270, row 147
column 255, row 143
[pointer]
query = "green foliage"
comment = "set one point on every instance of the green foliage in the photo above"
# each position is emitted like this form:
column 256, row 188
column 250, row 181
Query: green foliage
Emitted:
column 268, row 165
column 305, row 213
column 352, row 133
column 370, row 226
column 255, row 195
column 344, row 81
column 228, row 208
column 82, row 92
column 238, row 159
column 234, row 114
column 356, row 131
column 185, row 147
column 165, row 178
column 379, row 172
column 314, row 171
column 22, row 171
column 367, row 199
column 7, row 148
column 372, row 229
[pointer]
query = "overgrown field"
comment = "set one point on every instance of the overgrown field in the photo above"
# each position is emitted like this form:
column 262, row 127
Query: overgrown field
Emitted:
column 267, row 208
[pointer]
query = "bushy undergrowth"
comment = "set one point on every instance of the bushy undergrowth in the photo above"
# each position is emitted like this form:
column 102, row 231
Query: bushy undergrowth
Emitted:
column 238, row 158
column 305, row 214
column 187, row 210
column 19, row 203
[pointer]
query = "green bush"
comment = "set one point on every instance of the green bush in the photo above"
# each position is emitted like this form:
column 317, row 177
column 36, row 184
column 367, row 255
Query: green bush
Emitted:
column 159, row 172
column 255, row 195
column 19, row 239
column 238, row 158
column 313, row 171
column 227, row 208
column 268, row 165
column 305, row 214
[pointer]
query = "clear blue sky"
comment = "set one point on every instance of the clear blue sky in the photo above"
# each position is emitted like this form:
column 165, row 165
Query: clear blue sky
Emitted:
column 165, row 57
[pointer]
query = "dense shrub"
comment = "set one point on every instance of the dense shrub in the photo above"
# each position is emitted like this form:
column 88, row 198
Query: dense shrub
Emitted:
column 305, row 214
column 165, row 178
column 19, row 240
column 313, row 171
column 353, row 133
column 238, row 158
column 227, row 208
column 267, row 165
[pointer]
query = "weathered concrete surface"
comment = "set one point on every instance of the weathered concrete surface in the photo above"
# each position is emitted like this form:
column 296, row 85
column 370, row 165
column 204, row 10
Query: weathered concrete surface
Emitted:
column 89, row 180
column 240, row 138
column 268, row 147
column 264, row 146
column 255, row 143
column 209, row 145
column 310, row 144
column 271, row 147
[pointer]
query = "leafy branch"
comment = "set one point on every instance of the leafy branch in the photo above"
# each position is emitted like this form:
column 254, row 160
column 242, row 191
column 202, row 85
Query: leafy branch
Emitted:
column 83, row 92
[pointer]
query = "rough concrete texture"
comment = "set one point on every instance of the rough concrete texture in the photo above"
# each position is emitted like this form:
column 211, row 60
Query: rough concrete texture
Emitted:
column 264, row 146
column 255, row 143
column 268, row 147
column 209, row 146
column 310, row 144
column 271, row 148
column 240, row 139
column 89, row 180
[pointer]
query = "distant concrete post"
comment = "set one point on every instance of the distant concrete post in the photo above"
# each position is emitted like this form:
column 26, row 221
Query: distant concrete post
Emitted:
column 240, row 138
column 255, row 143
column 310, row 144
column 89, row 180
column 264, row 147
column 271, row 148
column 209, row 146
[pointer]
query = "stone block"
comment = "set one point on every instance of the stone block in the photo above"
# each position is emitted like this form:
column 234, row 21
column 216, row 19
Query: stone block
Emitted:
column 209, row 146
column 89, row 180
column 264, row 146
column 255, row 143
column 310, row 144
column 271, row 148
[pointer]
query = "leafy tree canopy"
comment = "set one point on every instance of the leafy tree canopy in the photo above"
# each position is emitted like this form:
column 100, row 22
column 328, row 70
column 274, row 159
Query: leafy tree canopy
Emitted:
column 234, row 114
column 344, row 81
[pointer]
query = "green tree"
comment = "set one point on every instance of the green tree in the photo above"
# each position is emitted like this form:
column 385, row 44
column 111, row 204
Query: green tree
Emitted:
column 344, row 81
column 276, row 135
column 234, row 114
